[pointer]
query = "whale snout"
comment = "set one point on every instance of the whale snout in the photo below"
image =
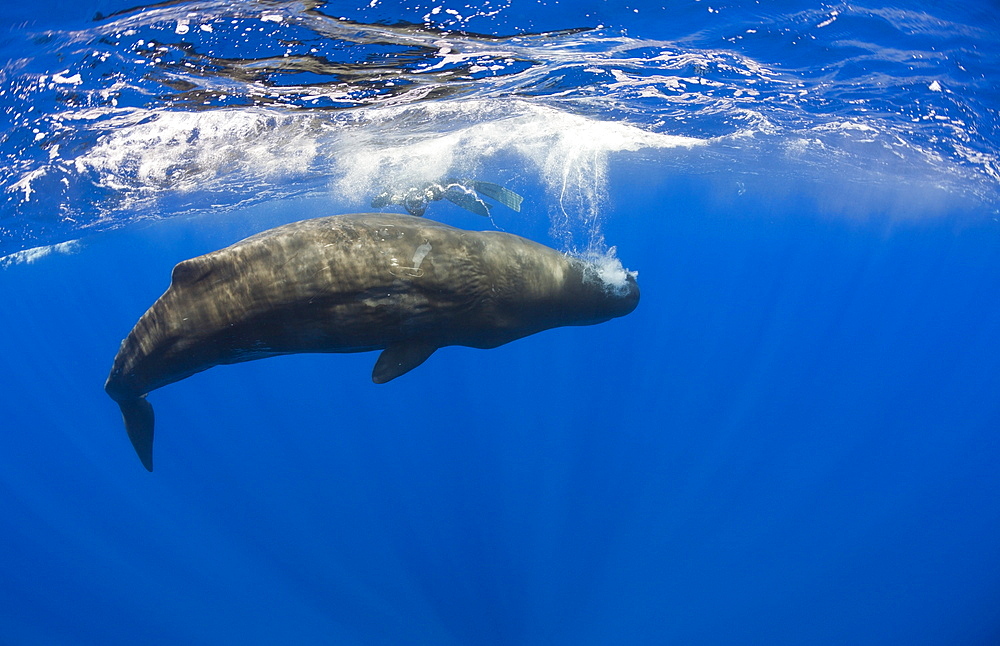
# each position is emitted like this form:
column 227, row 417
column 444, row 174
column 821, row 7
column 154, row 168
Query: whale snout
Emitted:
column 630, row 295
column 601, row 294
column 622, row 297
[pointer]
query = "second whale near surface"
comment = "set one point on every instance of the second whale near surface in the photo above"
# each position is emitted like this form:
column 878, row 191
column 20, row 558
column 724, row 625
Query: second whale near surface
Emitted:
column 354, row 283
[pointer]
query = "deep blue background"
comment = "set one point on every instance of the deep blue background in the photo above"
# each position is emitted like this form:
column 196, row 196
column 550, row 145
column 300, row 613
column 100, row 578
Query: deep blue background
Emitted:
column 793, row 440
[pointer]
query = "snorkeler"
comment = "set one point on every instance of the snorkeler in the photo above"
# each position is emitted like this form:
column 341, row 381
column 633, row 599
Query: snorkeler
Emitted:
column 463, row 192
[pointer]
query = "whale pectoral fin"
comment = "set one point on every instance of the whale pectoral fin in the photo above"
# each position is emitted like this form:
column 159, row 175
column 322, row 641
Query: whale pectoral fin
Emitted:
column 399, row 359
column 138, row 416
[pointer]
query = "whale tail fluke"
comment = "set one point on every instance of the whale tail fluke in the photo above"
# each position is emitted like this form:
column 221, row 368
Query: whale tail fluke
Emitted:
column 138, row 416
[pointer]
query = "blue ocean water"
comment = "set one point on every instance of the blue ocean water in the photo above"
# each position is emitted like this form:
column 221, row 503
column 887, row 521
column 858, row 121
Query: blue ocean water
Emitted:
column 792, row 440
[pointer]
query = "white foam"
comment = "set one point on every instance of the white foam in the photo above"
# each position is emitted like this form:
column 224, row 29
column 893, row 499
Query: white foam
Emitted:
column 568, row 152
column 829, row 21
column 24, row 184
column 608, row 269
column 62, row 78
column 150, row 153
column 187, row 150
column 28, row 256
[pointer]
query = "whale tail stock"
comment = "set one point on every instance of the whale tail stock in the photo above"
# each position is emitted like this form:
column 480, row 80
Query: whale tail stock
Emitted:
column 137, row 413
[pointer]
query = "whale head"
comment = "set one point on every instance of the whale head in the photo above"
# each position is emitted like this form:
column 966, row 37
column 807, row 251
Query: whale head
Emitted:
column 597, row 290
column 535, row 288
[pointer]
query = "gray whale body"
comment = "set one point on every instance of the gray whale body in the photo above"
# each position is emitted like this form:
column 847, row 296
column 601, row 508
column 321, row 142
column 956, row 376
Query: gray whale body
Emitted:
column 352, row 283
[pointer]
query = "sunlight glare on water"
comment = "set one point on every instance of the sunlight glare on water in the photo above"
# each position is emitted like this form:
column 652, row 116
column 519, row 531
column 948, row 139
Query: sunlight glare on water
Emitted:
column 185, row 107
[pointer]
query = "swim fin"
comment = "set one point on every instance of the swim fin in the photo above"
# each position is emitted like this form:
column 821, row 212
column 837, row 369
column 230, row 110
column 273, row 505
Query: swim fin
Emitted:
column 505, row 196
column 468, row 200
